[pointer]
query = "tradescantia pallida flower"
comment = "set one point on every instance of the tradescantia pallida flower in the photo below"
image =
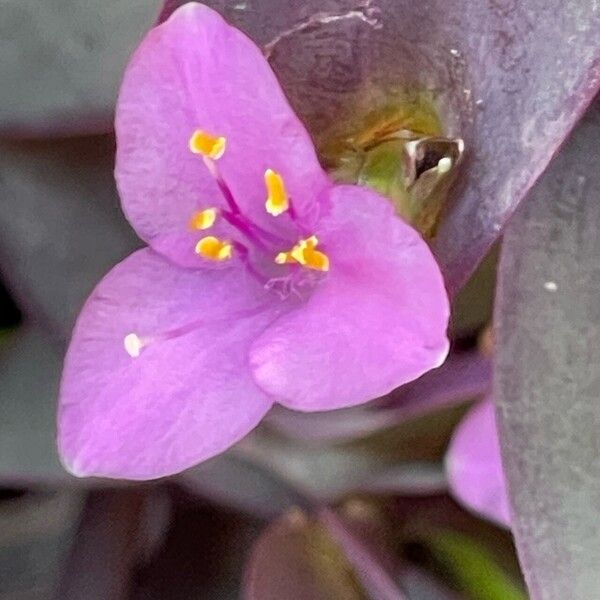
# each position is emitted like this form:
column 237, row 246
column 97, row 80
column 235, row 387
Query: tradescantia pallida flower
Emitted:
column 262, row 281
column 474, row 465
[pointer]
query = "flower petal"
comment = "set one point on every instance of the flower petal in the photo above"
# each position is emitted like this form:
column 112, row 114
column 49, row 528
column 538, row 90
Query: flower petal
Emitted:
column 378, row 321
column 196, row 72
column 474, row 465
column 181, row 400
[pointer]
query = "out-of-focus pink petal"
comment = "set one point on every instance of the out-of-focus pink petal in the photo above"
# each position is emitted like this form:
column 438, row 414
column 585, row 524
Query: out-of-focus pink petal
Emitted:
column 197, row 72
column 378, row 321
column 182, row 400
column 474, row 465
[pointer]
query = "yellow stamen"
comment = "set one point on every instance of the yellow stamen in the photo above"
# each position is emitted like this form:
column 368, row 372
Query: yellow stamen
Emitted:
column 314, row 259
column 203, row 219
column 277, row 198
column 213, row 248
column 204, row 143
column 284, row 258
column 303, row 246
column 305, row 254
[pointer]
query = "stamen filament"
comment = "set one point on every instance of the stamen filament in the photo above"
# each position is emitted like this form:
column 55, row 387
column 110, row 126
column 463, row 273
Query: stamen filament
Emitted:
column 134, row 344
column 214, row 171
column 252, row 230
column 244, row 256
column 245, row 227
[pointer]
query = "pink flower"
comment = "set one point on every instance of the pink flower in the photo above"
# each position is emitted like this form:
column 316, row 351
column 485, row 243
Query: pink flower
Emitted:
column 263, row 281
column 474, row 465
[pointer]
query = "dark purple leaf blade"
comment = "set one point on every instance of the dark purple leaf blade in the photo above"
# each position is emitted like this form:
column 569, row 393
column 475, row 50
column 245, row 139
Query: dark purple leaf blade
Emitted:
column 62, row 227
column 61, row 62
column 316, row 473
column 409, row 479
column 106, row 548
column 374, row 577
column 404, row 460
column 314, row 559
column 287, row 562
column 30, row 364
column 530, row 86
column 463, row 376
column 201, row 557
column 36, row 533
column 547, row 387
column 510, row 77
column 230, row 480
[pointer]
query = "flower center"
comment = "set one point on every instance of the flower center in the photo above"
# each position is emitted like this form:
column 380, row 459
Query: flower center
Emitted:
column 303, row 253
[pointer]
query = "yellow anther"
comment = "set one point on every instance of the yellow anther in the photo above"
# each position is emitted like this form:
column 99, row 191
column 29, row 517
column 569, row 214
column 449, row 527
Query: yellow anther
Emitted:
column 314, row 259
column 203, row 219
column 213, row 248
column 133, row 345
column 277, row 198
column 305, row 254
column 299, row 250
column 203, row 143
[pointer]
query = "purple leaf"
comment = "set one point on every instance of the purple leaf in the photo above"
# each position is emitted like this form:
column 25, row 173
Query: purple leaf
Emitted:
column 374, row 577
column 36, row 532
column 297, row 558
column 547, row 387
column 529, row 88
column 403, row 462
column 230, row 480
column 106, row 547
column 62, row 228
column 509, row 77
column 29, row 371
column 462, row 377
column 313, row 472
column 61, row 62
column 328, row 474
column 409, row 479
column 202, row 556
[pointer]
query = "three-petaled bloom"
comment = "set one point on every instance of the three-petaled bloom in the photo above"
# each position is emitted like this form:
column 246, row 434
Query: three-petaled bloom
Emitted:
column 263, row 281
